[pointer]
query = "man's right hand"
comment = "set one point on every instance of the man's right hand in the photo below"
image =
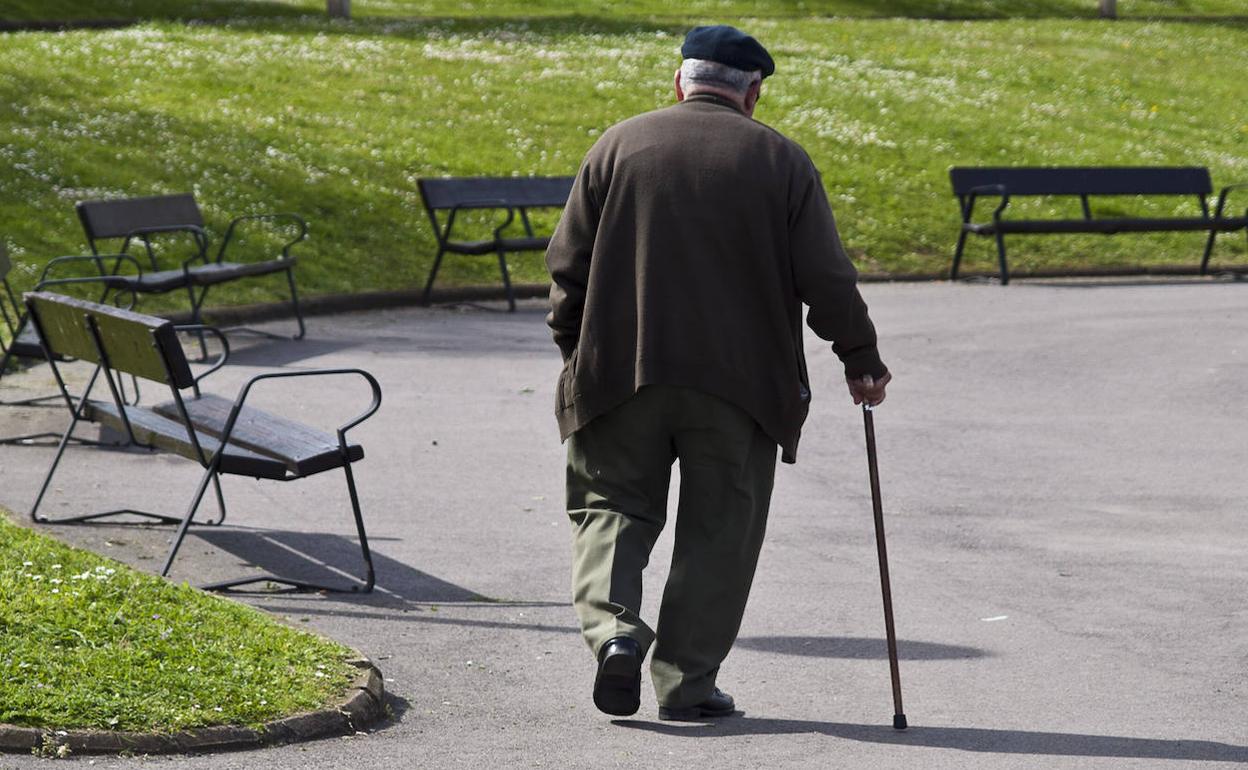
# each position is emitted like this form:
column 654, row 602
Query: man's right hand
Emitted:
column 869, row 389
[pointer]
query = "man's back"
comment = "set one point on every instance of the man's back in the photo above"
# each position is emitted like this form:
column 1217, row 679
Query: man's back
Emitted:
column 697, row 214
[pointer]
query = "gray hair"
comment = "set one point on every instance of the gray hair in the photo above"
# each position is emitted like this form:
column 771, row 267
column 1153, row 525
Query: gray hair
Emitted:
column 712, row 74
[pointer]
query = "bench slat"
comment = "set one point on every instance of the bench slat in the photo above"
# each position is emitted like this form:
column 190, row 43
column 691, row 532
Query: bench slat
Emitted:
column 142, row 345
column 495, row 192
column 118, row 218
column 1079, row 180
column 156, row 430
column 302, row 449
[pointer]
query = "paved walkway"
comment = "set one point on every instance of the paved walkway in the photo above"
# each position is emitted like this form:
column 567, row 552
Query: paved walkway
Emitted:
column 1064, row 480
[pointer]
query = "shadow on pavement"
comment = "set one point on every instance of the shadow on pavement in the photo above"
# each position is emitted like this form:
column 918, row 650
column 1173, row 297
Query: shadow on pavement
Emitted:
column 856, row 647
column 420, row 614
column 323, row 558
column 963, row 738
column 250, row 351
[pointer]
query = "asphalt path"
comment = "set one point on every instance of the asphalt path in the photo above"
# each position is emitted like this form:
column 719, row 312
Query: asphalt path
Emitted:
column 1064, row 481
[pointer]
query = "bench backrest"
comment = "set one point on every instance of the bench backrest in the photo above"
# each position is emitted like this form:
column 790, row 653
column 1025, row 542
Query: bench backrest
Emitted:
column 1075, row 180
column 119, row 218
column 141, row 345
column 495, row 192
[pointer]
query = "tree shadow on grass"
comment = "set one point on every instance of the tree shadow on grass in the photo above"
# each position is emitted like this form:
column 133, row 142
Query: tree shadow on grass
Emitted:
column 980, row 740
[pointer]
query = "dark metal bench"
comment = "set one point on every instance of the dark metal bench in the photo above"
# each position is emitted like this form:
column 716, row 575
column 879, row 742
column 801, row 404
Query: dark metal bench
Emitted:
column 128, row 220
column 970, row 184
column 515, row 195
column 224, row 436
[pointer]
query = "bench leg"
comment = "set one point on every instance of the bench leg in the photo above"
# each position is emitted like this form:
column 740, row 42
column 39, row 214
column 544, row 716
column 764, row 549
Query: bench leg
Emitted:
column 198, row 318
column 75, row 416
column 1204, row 262
column 1005, row 270
column 294, row 301
column 366, row 586
column 66, row 438
column 433, row 273
column 185, row 523
column 371, row 578
column 502, row 267
column 216, row 488
column 957, row 256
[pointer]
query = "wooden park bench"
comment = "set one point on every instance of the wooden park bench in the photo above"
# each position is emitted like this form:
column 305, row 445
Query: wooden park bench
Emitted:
column 1004, row 184
column 127, row 220
column 223, row 436
column 515, row 195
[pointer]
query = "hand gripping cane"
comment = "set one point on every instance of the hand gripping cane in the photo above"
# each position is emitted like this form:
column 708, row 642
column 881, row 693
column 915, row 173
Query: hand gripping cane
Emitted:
column 899, row 715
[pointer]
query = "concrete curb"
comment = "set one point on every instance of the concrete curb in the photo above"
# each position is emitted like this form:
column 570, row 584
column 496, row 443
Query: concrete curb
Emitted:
column 362, row 708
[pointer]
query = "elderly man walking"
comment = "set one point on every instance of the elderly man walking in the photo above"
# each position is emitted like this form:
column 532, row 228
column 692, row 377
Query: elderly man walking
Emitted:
column 691, row 239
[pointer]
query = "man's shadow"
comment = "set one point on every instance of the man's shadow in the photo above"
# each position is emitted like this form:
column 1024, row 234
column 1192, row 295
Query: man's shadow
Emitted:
column 964, row 738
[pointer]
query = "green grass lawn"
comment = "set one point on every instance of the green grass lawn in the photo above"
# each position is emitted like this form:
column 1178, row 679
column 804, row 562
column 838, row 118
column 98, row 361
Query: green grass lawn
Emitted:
column 337, row 120
column 86, row 642
column 991, row 9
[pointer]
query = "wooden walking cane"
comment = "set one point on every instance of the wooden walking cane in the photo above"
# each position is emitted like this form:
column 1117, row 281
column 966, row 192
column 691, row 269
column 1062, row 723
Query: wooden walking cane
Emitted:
column 899, row 715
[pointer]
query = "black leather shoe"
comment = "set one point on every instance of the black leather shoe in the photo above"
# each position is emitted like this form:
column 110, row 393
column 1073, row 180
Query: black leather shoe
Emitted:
column 720, row 704
column 617, row 688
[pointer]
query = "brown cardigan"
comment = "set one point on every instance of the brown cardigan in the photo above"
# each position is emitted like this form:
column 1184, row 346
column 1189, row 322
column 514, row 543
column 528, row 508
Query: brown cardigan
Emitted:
column 692, row 237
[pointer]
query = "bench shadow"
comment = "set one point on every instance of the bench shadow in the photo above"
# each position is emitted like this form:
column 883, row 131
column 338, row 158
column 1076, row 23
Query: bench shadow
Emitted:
column 858, row 647
column 980, row 740
column 264, row 352
column 319, row 557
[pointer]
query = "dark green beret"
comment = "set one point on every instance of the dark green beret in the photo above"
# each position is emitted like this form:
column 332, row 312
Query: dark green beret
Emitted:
column 727, row 45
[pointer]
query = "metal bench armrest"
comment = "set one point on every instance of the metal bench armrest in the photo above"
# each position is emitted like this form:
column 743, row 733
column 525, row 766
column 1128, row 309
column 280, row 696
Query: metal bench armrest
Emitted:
column 201, row 237
column 201, row 240
column 1222, row 196
column 297, row 220
column 225, row 349
column 341, row 430
column 511, row 217
column 98, row 259
column 984, row 189
column 110, row 281
column 444, row 233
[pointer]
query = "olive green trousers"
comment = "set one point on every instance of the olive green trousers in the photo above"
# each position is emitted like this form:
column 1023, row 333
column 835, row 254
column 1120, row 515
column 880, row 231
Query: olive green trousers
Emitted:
column 619, row 469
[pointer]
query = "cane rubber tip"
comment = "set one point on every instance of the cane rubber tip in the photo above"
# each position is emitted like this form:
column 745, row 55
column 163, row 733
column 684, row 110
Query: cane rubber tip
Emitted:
column 899, row 722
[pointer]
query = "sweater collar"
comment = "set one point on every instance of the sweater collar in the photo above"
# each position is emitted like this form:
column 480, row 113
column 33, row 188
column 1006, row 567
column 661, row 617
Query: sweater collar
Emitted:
column 713, row 99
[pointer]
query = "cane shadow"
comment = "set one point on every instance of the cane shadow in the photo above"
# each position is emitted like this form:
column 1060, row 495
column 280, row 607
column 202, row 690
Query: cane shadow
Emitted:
column 857, row 647
column 980, row 740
